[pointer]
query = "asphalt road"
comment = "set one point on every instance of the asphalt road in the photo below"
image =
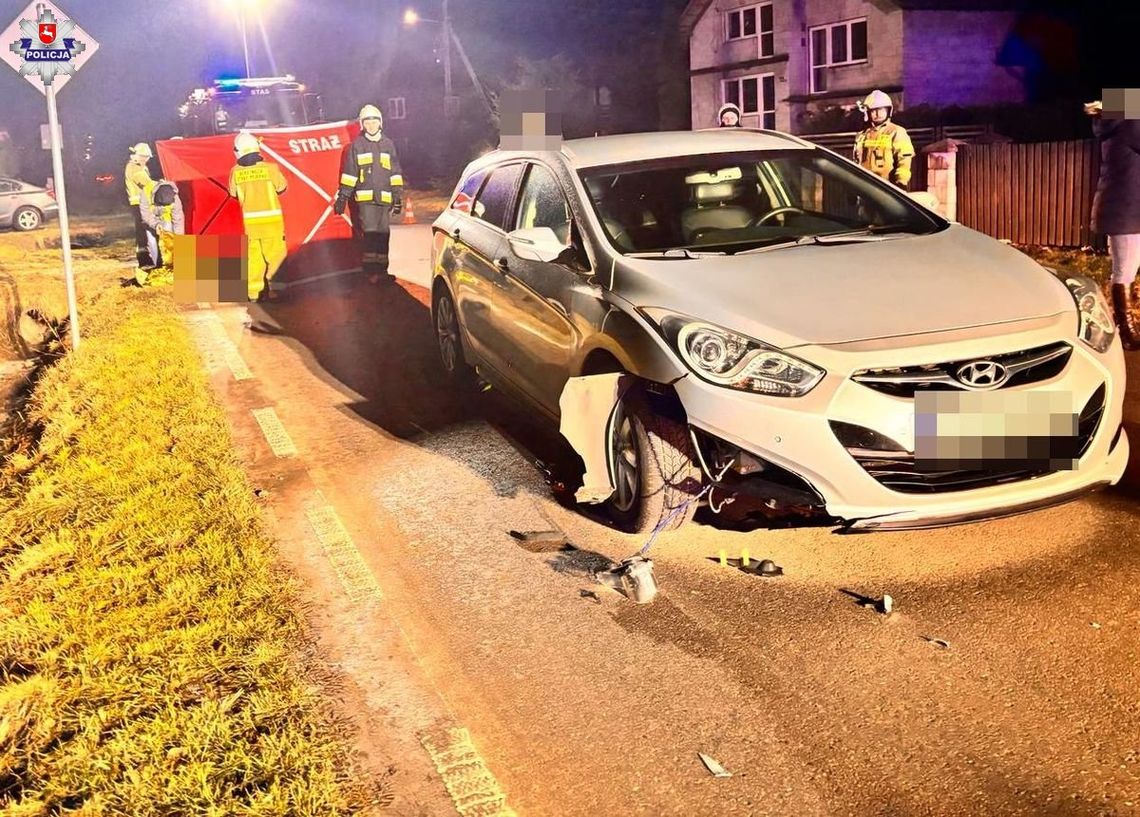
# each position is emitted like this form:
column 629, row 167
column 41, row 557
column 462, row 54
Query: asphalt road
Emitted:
column 583, row 703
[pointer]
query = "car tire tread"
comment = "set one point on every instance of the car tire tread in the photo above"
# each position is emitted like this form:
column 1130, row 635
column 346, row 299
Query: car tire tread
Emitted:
column 669, row 476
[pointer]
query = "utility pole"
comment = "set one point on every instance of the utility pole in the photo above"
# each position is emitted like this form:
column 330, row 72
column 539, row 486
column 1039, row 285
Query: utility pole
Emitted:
column 448, row 103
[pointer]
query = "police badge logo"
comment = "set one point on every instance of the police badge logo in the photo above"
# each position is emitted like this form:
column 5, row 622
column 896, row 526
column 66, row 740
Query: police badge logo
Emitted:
column 46, row 47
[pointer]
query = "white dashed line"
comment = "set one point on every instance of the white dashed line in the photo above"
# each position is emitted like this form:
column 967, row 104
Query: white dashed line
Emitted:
column 473, row 789
column 358, row 581
column 275, row 433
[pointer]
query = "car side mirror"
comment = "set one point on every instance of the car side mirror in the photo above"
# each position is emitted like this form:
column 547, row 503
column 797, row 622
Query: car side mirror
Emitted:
column 536, row 244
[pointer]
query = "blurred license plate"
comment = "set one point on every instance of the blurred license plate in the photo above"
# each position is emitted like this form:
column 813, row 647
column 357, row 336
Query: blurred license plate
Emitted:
column 995, row 430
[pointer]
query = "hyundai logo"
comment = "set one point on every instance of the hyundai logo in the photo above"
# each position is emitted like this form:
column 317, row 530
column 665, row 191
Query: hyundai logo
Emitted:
column 982, row 374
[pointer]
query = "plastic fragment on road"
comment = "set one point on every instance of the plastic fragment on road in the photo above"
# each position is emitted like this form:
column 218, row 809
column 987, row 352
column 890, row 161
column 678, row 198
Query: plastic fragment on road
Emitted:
column 537, row 536
column 886, row 605
column 634, row 577
column 714, row 768
column 938, row 642
column 587, row 408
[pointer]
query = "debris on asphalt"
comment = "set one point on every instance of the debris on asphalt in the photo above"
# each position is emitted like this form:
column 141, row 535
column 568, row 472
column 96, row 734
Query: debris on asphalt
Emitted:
column 260, row 493
column 544, row 536
column 765, row 567
column 590, row 594
column 886, row 605
column 1095, row 625
column 714, row 768
column 938, row 642
column 634, row 577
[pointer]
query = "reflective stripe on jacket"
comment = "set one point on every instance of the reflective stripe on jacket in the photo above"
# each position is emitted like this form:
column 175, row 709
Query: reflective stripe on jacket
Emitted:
column 370, row 172
column 257, row 187
column 886, row 151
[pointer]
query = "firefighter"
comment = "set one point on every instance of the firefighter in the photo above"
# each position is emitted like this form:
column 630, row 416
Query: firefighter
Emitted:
column 139, row 185
column 370, row 173
column 883, row 147
column 256, row 184
column 163, row 215
column 728, row 116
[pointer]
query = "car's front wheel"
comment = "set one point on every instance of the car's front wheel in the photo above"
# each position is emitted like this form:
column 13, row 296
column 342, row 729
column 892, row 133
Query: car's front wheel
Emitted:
column 27, row 218
column 450, row 342
column 656, row 481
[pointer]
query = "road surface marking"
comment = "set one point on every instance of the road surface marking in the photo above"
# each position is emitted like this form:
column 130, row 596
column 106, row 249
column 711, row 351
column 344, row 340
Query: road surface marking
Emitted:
column 473, row 789
column 358, row 581
column 213, row 340
column 275, row 433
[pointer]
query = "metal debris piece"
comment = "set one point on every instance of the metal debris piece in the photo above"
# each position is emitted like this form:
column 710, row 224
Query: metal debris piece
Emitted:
column 554, row 537
column 767, row 567
column 715, row 768
column 938, row 642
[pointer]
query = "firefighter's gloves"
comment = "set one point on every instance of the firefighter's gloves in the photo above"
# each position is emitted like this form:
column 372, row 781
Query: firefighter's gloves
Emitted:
column 397, row 205
column 340, row 205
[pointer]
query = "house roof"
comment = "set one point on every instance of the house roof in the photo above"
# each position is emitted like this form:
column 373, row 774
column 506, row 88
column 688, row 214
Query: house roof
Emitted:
column 693, row 12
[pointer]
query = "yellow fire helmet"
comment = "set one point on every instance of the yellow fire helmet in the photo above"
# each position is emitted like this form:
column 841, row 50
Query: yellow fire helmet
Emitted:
column 142, row 149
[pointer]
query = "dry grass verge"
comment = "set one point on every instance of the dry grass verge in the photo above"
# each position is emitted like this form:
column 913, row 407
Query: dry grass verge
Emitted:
column 148, row 647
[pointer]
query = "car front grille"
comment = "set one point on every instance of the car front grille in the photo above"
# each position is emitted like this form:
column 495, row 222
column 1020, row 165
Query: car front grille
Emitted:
column 1024, row 368
column 895, row 468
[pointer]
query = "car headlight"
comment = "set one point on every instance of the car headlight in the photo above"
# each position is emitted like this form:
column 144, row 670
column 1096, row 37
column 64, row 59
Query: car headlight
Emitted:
column 1096, row 327
column 737, row 362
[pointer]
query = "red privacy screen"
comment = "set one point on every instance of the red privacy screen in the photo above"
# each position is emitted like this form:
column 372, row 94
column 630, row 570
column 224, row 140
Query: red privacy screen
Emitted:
column 320, row 242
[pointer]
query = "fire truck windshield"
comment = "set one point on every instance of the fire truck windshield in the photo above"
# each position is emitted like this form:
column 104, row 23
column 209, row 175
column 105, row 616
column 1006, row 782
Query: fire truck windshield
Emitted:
column 232, row 105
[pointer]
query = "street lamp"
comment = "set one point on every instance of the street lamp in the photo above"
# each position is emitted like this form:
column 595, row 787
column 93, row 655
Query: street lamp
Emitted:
column 411, row 18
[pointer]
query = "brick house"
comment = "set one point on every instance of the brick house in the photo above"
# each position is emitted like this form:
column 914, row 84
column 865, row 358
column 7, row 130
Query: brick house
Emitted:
column 783, row 60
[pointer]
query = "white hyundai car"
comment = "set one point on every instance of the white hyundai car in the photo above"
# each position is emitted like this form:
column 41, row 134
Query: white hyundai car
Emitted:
column 796, row 331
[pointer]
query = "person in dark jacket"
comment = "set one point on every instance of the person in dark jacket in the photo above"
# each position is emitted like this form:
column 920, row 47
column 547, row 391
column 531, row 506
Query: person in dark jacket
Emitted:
column 371, row 174
column 1116, row 206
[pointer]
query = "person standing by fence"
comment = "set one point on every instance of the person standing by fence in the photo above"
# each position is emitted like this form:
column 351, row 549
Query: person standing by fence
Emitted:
column 1116, row 203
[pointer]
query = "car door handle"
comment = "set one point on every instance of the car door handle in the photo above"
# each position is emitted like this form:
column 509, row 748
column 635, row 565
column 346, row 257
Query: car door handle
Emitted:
column 455, row 233
column 502, row 265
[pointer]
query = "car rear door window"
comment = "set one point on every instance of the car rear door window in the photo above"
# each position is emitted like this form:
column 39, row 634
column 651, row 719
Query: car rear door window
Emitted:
column 493, row 203
column 466, row 194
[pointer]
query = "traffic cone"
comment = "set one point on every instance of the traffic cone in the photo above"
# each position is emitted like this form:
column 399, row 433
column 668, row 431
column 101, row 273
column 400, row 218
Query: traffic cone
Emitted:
column 409, row 214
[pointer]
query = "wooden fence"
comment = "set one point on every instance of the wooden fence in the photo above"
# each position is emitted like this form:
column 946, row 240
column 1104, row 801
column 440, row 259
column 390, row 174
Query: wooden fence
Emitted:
column 1030, row 193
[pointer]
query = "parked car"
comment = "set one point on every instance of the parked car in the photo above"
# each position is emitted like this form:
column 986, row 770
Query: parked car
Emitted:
column 802, row 333
column 24, row 206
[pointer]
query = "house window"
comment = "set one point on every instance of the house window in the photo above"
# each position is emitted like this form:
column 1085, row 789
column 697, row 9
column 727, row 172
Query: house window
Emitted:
column 397, row 108
column 752, row 21
column 754, row 96
column 838, row 44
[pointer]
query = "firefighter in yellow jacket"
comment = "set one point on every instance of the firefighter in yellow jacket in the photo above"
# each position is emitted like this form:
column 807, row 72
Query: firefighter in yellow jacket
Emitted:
column 139, row 184
column 370, row 173
column 256, row 184
column 883, row 147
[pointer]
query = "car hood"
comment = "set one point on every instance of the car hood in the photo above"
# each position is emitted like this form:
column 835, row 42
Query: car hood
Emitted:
column 840, row 293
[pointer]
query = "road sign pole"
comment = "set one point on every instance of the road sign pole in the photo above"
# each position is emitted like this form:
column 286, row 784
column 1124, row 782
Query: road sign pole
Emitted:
column 64, row 228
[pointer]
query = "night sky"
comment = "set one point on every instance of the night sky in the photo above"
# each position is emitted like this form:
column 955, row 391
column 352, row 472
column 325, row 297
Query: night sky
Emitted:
column 152, row 54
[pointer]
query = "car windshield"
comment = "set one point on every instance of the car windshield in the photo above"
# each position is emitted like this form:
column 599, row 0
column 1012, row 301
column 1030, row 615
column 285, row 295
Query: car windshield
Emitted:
column 735, row 202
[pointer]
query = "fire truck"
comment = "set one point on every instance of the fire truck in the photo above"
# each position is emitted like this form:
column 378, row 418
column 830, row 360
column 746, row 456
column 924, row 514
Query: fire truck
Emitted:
column 255, row 103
